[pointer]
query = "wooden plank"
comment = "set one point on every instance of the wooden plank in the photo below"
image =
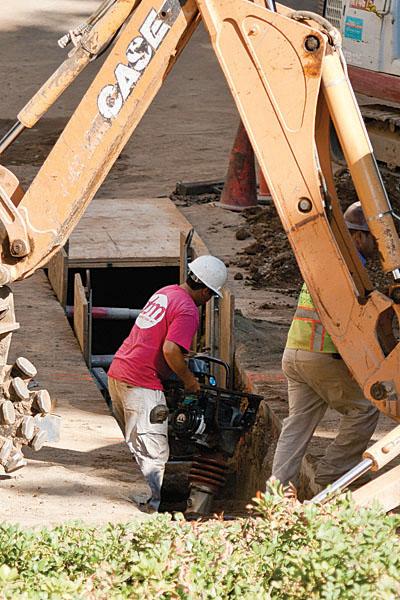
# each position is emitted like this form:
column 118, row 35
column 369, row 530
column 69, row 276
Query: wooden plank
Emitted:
column 182, row 274
column 226, row 328
column 81, row 316
column 209, row 340
column 128, row 232
column 195, row 188
column 219, row 332
column 385, row 490
column 57, row 272
column 199, row 249
column 126, row 263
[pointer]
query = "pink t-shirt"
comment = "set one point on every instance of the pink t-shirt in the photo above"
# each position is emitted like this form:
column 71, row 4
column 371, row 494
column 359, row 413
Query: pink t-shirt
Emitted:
column 170, row 314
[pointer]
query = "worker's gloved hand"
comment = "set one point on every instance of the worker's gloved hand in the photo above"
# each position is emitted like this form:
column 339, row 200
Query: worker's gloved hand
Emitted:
column 192, row 386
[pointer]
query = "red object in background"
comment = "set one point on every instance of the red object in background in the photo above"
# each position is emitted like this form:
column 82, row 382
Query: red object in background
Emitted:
column 380, row 86
column 263, row 189
column 240, row 188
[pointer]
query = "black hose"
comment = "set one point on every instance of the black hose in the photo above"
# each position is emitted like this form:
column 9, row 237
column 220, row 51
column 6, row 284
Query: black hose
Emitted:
column 306, row 15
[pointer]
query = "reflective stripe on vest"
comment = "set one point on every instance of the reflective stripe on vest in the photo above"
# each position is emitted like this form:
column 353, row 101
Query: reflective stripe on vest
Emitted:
column 306, row 331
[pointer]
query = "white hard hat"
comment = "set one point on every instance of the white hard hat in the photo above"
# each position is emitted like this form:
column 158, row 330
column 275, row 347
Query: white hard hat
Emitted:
column 354, row 217
column 211, row 271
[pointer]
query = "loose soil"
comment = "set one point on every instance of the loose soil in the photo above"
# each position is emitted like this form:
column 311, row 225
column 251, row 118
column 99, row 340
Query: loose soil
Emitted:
column 268, row 259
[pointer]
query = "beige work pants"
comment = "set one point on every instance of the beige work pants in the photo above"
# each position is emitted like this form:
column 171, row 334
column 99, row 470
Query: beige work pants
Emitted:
column 317, row 381
column 147, row 441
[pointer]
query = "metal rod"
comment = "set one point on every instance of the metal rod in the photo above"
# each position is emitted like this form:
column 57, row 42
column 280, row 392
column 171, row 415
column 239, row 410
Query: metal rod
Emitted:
column 101, row 360
column 101, row 377
column 11, row 136
column 361, row 163
column 217, row 361
column 344, row 481
column 271, row 5
column 109, row 312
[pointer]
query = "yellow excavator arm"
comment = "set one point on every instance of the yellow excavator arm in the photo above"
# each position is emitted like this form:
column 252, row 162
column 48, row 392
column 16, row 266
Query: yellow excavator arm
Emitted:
column 288, row 78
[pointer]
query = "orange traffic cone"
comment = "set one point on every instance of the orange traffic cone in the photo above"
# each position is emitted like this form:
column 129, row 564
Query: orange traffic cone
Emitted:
column 240, row 188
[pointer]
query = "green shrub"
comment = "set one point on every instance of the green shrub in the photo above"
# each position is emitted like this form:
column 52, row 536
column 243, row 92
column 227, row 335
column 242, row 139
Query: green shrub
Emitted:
column 286, row 550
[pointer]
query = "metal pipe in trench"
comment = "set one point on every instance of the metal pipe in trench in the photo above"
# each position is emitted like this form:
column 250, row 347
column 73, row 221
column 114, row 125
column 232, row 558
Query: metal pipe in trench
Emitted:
column 101, row 360
column 11, row 136
column 110, row 313
column 101, row 377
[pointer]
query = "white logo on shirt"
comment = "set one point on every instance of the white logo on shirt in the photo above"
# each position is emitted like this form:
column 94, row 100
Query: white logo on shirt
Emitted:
column 153, row 312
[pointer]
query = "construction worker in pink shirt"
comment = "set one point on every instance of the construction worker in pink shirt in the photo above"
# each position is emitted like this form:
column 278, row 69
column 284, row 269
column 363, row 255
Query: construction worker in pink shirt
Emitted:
column 154, row 349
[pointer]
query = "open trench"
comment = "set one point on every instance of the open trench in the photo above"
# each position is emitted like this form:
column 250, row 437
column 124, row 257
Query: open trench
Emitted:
column 131, row 287
column 262, row 317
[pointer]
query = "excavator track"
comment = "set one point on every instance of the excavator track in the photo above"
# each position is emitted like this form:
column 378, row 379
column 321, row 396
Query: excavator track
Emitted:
column 383, row 126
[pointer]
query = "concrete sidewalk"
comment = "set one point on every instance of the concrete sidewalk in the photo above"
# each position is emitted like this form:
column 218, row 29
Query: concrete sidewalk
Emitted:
column 89, row 473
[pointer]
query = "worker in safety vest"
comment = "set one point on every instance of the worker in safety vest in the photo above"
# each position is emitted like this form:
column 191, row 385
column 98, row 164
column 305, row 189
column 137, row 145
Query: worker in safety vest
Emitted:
column 154, row 349
column 317, row 379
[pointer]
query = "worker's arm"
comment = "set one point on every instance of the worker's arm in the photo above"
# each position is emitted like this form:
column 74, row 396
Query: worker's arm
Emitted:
column 176, row 361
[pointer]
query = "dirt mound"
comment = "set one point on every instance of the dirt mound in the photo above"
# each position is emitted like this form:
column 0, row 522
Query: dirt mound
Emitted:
column 269, row 259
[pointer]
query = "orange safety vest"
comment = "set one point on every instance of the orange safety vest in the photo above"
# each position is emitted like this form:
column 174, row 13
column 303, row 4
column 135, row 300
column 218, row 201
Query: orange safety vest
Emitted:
column 306, row 331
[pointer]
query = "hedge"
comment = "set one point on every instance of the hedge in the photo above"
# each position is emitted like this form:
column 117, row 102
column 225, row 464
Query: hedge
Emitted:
column 283, row 550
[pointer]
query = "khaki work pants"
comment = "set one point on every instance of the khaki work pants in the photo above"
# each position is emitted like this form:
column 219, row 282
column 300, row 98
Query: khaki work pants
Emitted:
column 147, row 441
column 317, row 381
